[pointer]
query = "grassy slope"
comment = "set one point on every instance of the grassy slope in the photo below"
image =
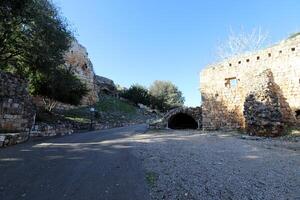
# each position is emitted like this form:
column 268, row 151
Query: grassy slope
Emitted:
column 108, row 108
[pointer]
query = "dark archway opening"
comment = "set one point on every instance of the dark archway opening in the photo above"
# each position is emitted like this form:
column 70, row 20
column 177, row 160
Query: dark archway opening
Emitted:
column 297, row 113
column 182, row 121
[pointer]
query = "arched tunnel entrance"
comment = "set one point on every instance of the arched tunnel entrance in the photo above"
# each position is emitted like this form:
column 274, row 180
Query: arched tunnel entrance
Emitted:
column 182, row 121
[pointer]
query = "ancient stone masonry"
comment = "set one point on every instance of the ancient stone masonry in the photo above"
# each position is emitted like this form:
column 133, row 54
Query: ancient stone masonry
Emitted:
column 16, row 107
column 78, row 62
column 262, row 107
column 228, row 86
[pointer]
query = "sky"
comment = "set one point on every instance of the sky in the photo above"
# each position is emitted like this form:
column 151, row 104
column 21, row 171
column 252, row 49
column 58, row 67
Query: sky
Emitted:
column 140, row 41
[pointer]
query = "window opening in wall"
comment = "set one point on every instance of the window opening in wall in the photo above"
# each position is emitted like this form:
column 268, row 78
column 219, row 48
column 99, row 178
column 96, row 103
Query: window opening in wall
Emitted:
column 230, row 64
column 257, row 57
column 280, row 51
column 248, row 60
column 293, row 49
column 231, row 82
column 269, row 54
column 240, row 62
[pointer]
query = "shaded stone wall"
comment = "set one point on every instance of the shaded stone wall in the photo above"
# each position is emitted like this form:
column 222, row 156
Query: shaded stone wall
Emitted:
column 226, row 85
column 16, row 107
column 263, row 107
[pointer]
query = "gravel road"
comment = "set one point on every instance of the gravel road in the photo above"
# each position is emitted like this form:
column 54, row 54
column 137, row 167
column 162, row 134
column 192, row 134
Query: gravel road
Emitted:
column 216, row 165
column 129, row 163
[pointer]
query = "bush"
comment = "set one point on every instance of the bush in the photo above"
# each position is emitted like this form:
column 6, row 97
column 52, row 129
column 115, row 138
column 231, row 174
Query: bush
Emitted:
column 59, row 85
column 165, row 95
column 137, row 94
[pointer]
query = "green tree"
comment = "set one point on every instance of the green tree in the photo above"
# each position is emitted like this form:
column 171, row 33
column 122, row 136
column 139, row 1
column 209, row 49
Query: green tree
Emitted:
column 165, row 95
column 34, row 38
column 137, row 94
column 59, row 85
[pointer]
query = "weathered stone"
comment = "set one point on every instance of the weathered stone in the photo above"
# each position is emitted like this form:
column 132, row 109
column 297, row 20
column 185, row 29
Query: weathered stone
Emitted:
column 225, row 87
column 16, row 107
column 78, row 62
column 105, row 86
column 262, row 111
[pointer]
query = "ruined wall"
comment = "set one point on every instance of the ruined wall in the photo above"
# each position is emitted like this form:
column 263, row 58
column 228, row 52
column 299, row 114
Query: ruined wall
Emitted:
column 16, row 107
column 226, row 85
column 78, row 62
column 263, row 108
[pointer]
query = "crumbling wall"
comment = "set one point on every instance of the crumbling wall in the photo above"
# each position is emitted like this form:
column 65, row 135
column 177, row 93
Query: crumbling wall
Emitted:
column 262, row 107
column 16, row 107
column 225, row 86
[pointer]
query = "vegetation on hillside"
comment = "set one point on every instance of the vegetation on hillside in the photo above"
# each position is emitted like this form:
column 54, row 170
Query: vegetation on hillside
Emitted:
column 33, row 40
column 162, row 95
column 110, row 108
column 137, row 94
column 294, row 35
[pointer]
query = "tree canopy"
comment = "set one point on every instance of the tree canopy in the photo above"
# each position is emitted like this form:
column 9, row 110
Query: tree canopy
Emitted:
column 34, row 38
column 137, row 94
column 165, row 95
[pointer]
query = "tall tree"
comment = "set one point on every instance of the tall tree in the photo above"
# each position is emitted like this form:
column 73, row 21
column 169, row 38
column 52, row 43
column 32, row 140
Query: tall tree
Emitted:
column 34, row 38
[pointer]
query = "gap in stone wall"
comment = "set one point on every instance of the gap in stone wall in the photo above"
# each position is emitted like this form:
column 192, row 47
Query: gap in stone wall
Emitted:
column 297, row 114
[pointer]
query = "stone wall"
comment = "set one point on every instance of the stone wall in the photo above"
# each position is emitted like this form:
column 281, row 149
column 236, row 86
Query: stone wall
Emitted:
column 16, row 107
column 78, row 62
column 262, row 108
column 226, row 85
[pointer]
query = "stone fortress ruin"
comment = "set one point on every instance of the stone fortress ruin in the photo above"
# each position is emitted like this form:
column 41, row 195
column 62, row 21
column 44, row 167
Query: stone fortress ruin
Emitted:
column 258, row 91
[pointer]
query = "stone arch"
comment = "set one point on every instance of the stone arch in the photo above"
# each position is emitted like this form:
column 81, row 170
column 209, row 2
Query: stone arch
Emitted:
column 188, row 114
column 182, row 121
column 184, row 117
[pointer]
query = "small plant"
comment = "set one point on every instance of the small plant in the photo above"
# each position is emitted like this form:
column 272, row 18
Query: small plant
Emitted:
column 151, row 178
column 294, row 35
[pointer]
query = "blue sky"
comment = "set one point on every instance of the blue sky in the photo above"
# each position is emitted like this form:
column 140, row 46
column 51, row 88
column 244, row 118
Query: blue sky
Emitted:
column 139, row 41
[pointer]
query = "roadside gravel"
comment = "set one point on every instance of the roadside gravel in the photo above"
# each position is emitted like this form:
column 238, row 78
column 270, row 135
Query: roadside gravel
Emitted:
column 215, row 165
